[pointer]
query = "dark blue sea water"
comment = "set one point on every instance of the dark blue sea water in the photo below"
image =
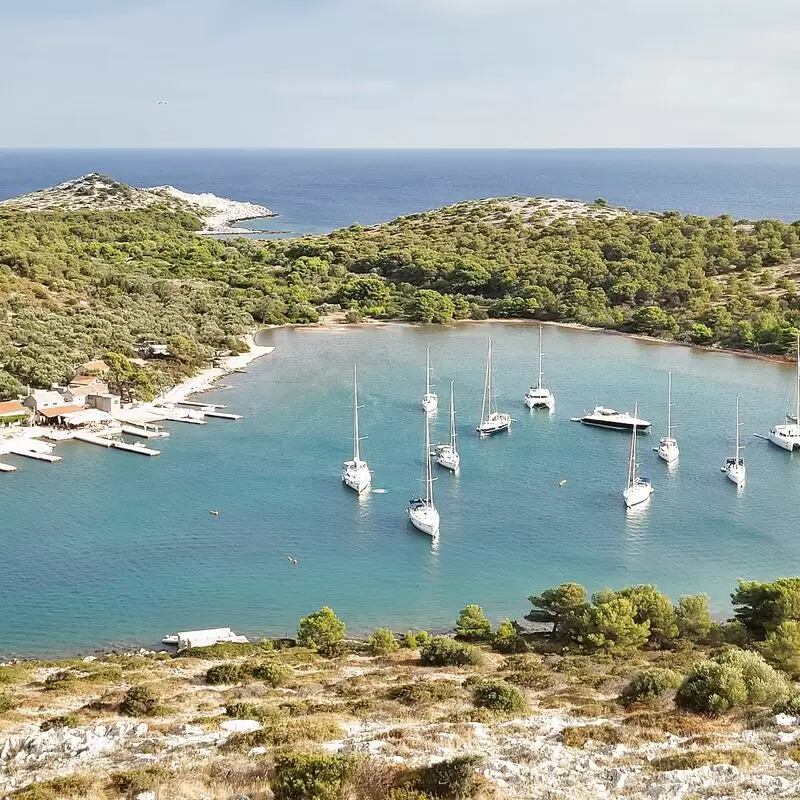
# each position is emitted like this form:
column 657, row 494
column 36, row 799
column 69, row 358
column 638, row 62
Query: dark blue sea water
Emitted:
column 319, row 190
column 109, row 548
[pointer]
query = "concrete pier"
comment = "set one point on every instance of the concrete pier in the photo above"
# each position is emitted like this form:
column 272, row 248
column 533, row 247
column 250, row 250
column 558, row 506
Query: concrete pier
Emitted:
column 7, row 467
column 195, row 404
column 92, row 438
column 136, row 448
column 145, row 433
column 21, row 450
column 222, row 415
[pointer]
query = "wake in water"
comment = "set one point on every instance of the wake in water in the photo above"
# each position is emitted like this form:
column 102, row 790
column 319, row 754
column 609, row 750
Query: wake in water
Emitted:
column 379, row 491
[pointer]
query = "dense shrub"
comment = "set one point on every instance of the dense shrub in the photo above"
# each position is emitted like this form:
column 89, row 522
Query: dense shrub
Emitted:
column 305, row 776
column 499, row 696
column 782, row 648
column 421, row 692
column 694, row 616
column 649, row 685
column 322, row 630
column 442, row 651
column 139, row 701
column 472, row 624
column 223, row 674
column 14, row 673
column 382, row 642
column 63, row 721
column 272, row 673
column 454, row 779
column 734, row 678
column 7, row 703
column 507, row 640
column 66, row 786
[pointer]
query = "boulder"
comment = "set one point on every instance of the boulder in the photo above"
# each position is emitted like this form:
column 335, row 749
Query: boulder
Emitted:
column 240, row 725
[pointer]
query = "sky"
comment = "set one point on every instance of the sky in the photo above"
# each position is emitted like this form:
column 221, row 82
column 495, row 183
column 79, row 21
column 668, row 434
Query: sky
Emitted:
column 400, row 73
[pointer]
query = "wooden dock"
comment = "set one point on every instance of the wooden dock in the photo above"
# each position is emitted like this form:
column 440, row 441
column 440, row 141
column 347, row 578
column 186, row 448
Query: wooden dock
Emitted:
column 135, row 448
column 222, row 415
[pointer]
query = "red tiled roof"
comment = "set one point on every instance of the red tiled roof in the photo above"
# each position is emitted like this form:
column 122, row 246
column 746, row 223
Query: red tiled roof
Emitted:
column 11, row 407
column 59, row 410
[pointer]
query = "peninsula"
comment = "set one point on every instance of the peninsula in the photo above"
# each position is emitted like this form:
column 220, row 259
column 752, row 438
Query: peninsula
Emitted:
column 93, row 266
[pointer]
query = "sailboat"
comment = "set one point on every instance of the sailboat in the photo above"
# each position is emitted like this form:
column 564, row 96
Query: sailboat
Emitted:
column 430, row 402
column 639, row 488
column 492, row 421
column 355, row 473
column 447, row 454
column 787, row 435
column 421, row 510
column 668, row 446
column 734, row 468
column 538, row 396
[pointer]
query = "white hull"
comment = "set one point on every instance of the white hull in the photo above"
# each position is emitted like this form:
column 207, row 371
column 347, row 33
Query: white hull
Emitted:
column 787, row 437
column 603, row 417
column 424, row 518
column 430, row 403
column 446, row 457
column 541, row 398
column 668, row 450
column 356, row 475
column 494, row 423
column 636, row 494
column 736, row 475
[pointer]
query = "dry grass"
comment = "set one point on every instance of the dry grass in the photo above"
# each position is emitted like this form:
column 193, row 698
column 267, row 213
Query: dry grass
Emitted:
column 692, row 759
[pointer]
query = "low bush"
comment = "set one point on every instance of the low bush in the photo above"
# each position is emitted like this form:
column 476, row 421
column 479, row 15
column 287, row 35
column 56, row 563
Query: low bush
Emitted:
column 139, row 701
column 63, row 721
column 224, row 674
column 68, row 786
column 507, row 640
column 732, row 679
column 791, row 705
column 135, row 781
column 7, row 703
column 499, row 696
column 382, row 642
column 442, row 651
column 423, row 692
column 454, row 779
column 14, row 673
column 271, row 673
column 278, row 731
column 649, row 686
column 472, row 624
column 579, row 735
column 244, row 710
column 527, row 671
column 303, row 776
column 409, row 641
column 63, row 679
column 221, row 650
column 692, row 759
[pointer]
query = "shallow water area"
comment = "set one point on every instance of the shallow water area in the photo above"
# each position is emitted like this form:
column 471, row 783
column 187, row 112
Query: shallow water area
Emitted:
column 106, row 548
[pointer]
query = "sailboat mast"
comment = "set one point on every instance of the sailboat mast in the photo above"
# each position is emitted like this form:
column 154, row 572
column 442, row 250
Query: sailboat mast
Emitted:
column 452, row 419
column 797, row 386
column 737, row 432
column 427, row 369
column 428, row 472
column 356, row 448
column 632, row 459
column 490, row 386
column 486, row 379
column 539, row 379
column 669, row 405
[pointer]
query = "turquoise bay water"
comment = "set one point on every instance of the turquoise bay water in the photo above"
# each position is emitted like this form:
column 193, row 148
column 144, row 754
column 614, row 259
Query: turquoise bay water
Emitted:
column 108, row 548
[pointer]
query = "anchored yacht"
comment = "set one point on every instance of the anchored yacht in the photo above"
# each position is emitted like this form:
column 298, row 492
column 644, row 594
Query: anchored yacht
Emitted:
column 355, row 473
column 430, row 401
column 492, row 420
column 787, row 434
column 603, row 417
column 639, row 488
column 540, row 396
column 668, row 445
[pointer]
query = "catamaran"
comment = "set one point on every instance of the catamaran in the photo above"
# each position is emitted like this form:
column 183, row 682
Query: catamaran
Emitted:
column 421, row 510
column 492, row 420
column 539, row 396
column 430, row 402
column 355, row 473
column 668, row 446
column 639, row 488
column 447, row 454
column 787, row 435
column 734, row 468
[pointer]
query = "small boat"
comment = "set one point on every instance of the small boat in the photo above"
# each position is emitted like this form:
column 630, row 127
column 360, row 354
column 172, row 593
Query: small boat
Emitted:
column 639, row 488
column 430, row 401
column 492, row 421
column 355, row 473
column 667, row 445
column 603, row 417
column 735, row 469
column 214, row 513
column 538, row 396
column 171, row 639
column 447, row 455
column 421, row 510
column 787, row 435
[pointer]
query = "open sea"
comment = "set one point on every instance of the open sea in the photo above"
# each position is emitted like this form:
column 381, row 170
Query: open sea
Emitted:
column 107, row 549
